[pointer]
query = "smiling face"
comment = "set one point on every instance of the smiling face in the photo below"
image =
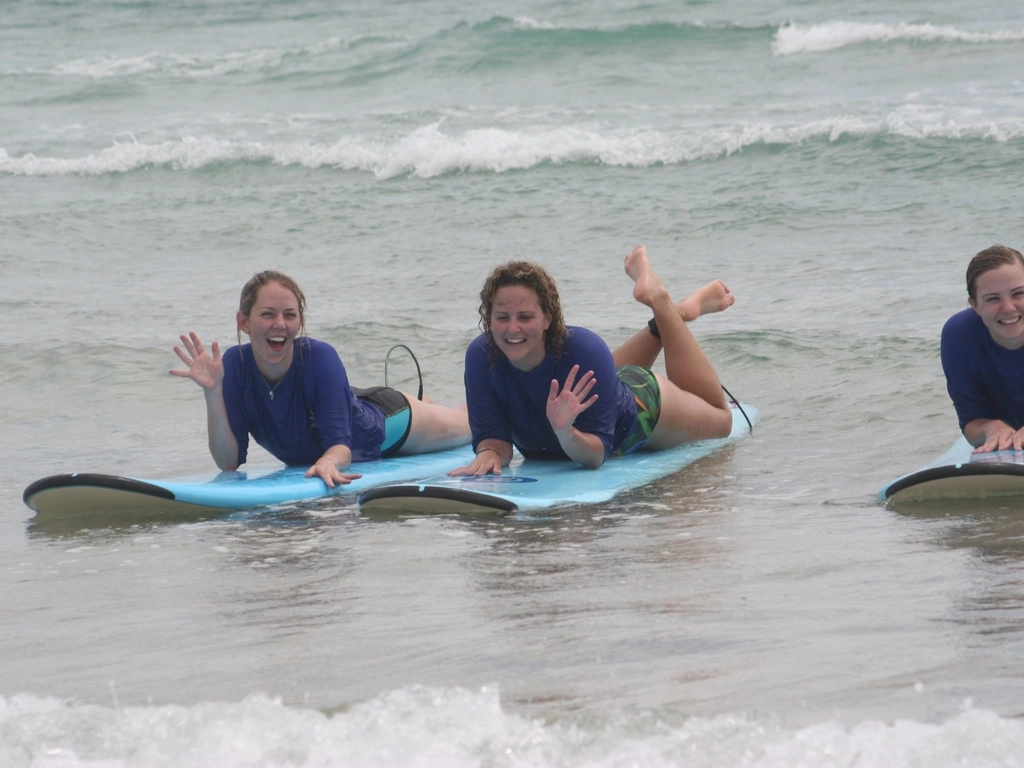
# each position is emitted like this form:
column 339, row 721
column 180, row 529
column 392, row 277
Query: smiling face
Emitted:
column 272, row 325
column 518, row 326
column 999, row 301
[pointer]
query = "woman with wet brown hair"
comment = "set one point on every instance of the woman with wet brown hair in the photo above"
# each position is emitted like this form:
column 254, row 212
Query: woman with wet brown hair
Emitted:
column 983, row 352
column 292, row 395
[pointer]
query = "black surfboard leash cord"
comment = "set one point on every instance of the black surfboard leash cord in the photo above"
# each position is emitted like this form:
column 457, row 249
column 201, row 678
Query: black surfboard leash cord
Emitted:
column 419, row 373
column 740, row 407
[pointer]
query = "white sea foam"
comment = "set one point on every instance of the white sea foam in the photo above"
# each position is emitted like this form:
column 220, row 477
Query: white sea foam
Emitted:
column 792, row 39
column 526, row 22
column 429, row 152
column 428, row 727
column 171, row 64
column 193, row 66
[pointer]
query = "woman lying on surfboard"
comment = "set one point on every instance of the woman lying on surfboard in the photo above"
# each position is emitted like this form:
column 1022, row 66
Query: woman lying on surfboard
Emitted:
column 983, row 352
column 291, row 393
column 557, row 391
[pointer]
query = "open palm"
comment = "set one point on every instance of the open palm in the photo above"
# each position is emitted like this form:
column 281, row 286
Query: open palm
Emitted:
column 204, row 369
column 565, row 404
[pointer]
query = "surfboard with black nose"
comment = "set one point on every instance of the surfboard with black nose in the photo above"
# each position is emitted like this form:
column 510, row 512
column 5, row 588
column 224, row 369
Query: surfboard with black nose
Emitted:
column 528, row 486
column 95, row 499
column 960, row 474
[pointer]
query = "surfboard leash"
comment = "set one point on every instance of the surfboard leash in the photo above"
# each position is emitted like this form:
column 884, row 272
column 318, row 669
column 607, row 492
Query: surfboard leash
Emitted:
column 419, row 373
column 737, row 404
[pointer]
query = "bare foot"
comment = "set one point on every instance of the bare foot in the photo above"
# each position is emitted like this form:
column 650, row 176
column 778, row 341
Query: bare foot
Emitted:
column 713, row 297
column 649, row 287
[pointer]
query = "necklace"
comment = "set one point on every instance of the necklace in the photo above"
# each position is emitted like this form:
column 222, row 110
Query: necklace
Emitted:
column 270, row 389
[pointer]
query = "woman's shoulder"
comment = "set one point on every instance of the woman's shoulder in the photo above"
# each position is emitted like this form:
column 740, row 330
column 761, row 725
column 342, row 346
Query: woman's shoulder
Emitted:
column 478, row 347
column 316, row 361
column 963, row 322
column 580, row 340
column 316, row 348
column 236, row 354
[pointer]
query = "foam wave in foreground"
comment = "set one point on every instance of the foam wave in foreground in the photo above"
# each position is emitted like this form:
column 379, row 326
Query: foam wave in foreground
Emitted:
column 451, row 728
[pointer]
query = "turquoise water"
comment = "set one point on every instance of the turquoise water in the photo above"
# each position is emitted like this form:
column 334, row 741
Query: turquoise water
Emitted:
column 837, row 167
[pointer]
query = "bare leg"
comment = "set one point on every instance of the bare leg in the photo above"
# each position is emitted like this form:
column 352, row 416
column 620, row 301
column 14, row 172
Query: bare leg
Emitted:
column 641, row 349
column 644, row 347
column 693, row 404
column 435, row 427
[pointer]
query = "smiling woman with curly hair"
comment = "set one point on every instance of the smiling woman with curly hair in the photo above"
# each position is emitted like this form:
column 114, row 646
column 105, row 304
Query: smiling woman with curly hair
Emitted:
column 557, row 391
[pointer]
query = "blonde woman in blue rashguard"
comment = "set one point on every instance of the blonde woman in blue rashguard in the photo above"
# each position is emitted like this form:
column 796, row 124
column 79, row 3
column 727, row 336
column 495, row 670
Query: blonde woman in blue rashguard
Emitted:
column 292, row 395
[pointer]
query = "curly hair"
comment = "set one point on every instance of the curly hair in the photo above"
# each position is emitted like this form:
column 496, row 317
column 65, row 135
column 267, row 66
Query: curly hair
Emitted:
column 251, row 292
column 537, row 279
column 992, row 257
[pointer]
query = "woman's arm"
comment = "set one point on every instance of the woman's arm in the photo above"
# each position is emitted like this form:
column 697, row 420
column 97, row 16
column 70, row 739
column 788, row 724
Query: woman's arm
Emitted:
column 993, row 435
column 491, row 456
column 488, row 419
column 328, row 467
column 208, row 372
column 223, row 445
column 563, row 406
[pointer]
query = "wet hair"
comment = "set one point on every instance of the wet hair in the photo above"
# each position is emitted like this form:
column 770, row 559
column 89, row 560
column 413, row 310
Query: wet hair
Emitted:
column 992, row 257
column 253, row 286
column 536, row 278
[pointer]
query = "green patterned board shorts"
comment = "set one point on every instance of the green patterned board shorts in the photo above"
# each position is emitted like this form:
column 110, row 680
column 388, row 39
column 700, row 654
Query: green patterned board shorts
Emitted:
column 644, row 385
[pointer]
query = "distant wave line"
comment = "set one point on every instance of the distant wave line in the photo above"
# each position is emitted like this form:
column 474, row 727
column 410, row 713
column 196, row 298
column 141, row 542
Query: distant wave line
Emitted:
column 786, row 40
column 487, row 34
column 196, row 65
column 792, row 39
column 428, row 152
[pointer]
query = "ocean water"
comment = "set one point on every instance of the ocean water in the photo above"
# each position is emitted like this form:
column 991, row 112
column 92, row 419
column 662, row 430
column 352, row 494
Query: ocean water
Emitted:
column 836, row 165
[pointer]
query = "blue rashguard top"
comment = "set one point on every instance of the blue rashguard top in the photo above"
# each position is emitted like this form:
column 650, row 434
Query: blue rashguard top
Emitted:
column 313, row 407
column 984, row 380
column 507, row 404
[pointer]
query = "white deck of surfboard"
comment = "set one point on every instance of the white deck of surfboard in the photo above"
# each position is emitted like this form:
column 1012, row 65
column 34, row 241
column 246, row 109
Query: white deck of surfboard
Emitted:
column 960, row 474
column 536, row 485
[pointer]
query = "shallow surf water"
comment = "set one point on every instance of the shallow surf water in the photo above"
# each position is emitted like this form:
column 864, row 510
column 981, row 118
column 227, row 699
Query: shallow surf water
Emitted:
column 836, row 167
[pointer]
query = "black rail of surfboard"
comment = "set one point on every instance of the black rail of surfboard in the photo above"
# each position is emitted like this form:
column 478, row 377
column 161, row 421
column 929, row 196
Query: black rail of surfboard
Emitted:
column 952, row 470
column 85, row 479
column 458, row 495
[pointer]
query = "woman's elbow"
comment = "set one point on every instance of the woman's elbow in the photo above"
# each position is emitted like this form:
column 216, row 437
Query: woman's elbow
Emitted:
column 226, row 466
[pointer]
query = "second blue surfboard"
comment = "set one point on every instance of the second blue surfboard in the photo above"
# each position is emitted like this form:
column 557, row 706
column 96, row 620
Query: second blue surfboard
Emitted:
column 537, row 485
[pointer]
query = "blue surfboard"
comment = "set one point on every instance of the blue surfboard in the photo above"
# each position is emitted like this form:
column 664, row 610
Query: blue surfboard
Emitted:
column 959, row 474
column 97, row 499
column 537, row 485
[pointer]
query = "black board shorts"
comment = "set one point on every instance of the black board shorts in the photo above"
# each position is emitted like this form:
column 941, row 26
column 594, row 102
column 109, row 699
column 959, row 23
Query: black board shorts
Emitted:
column 397, row 415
